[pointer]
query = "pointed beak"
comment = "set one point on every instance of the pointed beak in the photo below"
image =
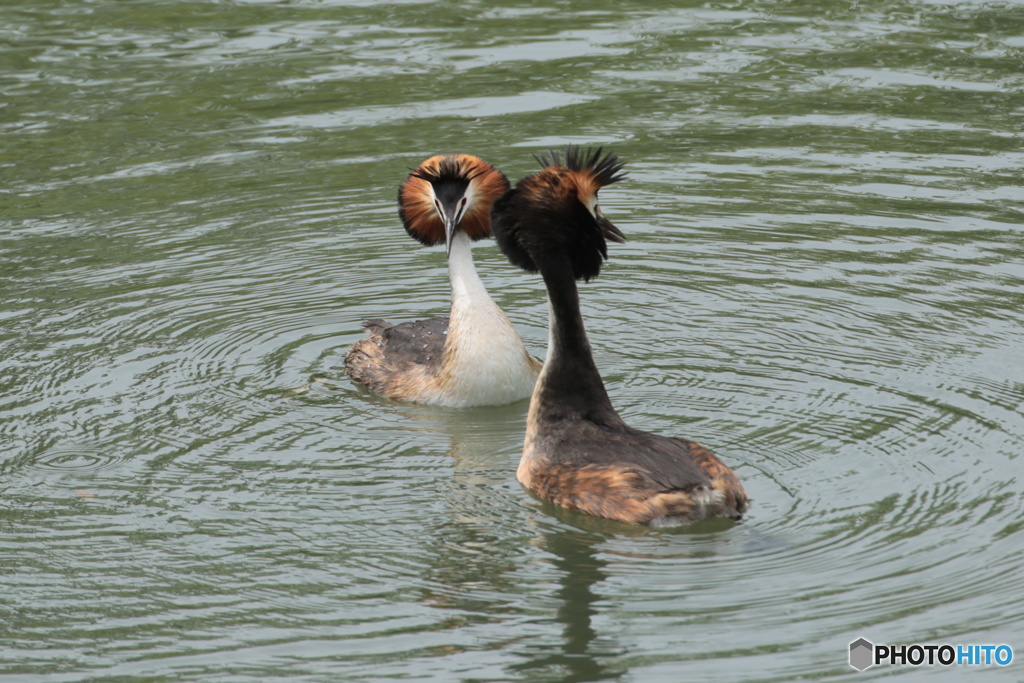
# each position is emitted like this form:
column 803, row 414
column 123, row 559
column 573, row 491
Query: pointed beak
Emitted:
column 450, row 218
column 610, row 231
column 449, row 231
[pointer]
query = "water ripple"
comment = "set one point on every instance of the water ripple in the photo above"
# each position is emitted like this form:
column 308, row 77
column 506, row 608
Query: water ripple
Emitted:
column 822, row 283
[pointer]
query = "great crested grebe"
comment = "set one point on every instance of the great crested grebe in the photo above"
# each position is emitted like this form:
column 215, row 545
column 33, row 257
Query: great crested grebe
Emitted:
column 474, row 357
column 578, row 452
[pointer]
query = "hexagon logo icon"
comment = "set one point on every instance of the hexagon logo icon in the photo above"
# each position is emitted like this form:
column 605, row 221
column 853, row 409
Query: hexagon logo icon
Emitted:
column 862, row 654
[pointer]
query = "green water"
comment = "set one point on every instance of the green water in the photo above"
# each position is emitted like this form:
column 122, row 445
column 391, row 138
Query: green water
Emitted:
column 824, row 282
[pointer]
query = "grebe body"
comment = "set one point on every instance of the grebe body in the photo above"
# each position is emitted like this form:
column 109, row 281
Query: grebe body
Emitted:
column 578, row 452
column 473, row 357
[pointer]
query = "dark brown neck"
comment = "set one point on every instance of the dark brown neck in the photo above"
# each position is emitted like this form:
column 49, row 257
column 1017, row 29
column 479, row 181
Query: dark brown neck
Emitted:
column 570, row 386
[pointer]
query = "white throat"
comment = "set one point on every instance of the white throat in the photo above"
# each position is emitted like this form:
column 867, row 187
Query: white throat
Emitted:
column 466, row 283
column 485, row 360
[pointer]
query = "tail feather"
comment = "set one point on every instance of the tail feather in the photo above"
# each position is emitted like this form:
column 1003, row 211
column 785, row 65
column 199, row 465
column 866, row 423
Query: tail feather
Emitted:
column 376, row 326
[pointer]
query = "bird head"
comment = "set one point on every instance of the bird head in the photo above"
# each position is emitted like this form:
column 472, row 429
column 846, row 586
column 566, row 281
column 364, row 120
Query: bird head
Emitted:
column 449, row 192
column 555, row 211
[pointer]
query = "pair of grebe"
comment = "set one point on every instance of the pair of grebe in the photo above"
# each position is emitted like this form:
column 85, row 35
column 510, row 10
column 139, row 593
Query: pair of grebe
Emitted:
column 578, row 452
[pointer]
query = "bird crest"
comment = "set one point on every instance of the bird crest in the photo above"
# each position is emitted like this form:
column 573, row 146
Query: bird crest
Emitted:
column 449, row 175
column 554, row 212
column 587, row 169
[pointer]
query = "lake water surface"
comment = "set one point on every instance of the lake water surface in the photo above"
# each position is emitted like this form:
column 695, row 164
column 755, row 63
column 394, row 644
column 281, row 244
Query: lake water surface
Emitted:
column 824, row 283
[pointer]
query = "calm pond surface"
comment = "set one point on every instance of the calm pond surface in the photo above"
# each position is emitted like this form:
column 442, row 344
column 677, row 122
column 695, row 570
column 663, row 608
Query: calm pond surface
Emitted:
column 824, row 282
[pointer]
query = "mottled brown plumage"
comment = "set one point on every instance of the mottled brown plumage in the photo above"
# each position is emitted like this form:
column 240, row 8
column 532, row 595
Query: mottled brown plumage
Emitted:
column 388, row 359
column 632, row 476
column 578, row 452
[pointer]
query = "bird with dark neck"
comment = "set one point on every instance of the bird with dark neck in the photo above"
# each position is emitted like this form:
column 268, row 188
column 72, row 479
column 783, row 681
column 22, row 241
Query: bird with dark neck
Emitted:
column 474, row 357
column 578, row 452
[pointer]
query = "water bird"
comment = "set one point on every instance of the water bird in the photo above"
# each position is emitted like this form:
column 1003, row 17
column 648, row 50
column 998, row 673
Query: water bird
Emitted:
column 474, row 357
column 578, row 452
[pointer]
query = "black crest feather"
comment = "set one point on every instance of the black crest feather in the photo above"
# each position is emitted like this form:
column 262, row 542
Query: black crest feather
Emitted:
column 448, row 169
column 605, row 170
column 542, row 219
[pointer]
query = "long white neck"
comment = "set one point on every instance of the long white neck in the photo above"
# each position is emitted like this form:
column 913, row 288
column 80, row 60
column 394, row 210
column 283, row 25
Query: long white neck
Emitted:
column 485, row 361
column 466, row 284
